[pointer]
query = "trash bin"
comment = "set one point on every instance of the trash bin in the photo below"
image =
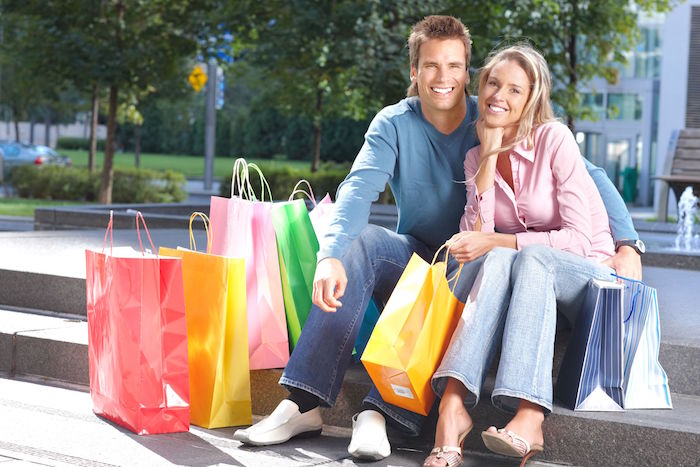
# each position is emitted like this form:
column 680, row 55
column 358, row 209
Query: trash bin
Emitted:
column 629, row 185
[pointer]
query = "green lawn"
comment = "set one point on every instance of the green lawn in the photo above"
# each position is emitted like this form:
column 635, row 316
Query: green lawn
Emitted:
column 190, row 166
column 25, row 207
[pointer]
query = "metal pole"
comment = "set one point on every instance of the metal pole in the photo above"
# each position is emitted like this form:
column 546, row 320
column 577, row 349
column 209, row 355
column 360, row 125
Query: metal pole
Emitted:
column 210, row 126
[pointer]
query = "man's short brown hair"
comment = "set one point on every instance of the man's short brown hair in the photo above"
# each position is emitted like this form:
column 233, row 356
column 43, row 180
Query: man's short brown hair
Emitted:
column 436, row 27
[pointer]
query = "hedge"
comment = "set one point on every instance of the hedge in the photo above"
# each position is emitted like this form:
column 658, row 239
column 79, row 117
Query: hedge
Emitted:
column 282, row 180
column 78, row 143
column 78, row 184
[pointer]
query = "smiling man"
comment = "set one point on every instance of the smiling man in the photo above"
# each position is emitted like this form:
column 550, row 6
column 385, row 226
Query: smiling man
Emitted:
column 418, row 146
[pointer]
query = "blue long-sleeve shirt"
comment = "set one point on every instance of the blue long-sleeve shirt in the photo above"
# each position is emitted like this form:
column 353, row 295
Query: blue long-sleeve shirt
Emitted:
column 425, row 170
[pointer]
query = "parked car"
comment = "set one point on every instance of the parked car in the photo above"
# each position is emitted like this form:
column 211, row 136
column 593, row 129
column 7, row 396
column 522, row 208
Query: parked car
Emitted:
column 15, row 154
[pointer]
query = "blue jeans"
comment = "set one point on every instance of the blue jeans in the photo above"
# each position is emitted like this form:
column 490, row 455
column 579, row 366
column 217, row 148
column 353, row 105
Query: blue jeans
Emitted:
column 373, row 265
column 513, row 305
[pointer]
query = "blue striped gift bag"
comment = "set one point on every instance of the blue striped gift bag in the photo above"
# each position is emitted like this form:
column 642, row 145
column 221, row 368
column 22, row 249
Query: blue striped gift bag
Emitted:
column 646, row 384
column 592, row 373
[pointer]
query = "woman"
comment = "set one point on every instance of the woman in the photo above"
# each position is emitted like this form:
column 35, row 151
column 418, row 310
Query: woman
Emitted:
column 527, row 180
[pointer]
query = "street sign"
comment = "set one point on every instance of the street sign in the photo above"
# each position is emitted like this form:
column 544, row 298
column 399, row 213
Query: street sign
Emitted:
column 198, row 78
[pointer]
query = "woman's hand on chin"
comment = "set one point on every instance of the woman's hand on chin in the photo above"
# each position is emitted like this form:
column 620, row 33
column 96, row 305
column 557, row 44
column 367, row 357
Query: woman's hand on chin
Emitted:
column 490, row 137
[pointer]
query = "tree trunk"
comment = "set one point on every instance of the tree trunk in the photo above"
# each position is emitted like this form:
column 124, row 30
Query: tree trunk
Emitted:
column 32, row 122
column 16, row 128
column 47, row 127
column 137, row 146
column 316, row 157
column 108, row 166
column 93, row 127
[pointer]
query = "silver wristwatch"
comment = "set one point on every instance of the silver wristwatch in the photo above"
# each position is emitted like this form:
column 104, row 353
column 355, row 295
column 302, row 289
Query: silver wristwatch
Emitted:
column 638, row 245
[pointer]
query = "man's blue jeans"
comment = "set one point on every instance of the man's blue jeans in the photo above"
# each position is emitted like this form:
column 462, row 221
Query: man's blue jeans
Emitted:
column 373, row 265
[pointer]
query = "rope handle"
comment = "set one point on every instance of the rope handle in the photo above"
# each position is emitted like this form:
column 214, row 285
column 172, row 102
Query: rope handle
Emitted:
column 138, row 233
column 454, row 278
column 263, row 183
column 297, row 190
column 637, row 290
column 240, row 179
column 110, row 227
column 205, row 219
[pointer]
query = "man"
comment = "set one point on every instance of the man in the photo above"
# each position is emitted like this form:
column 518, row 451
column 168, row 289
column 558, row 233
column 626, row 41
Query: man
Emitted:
column 418, row 145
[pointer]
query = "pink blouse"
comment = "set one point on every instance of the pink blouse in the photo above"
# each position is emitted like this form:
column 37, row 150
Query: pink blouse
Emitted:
column 554, row 200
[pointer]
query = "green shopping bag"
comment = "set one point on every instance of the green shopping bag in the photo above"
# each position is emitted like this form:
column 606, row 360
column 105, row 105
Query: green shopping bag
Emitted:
column 297, row 246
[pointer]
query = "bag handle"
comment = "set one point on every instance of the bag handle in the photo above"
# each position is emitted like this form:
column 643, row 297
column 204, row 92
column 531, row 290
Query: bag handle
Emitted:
column 454, row 278
column 205, row 219
column 637, row 291
column 297, row 190
column 263, row 183
column 239, row 179
column 138, row 233
column 109, row 231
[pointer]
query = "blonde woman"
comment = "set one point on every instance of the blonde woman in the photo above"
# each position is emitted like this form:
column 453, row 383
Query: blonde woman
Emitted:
column 538, row 226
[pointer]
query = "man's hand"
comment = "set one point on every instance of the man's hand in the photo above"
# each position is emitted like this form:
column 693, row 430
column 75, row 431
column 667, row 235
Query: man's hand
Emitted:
column 626, row 263
column 329, row 284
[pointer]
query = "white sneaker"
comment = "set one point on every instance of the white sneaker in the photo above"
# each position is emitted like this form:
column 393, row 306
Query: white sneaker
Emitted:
column 284, row 423
column 369, row 440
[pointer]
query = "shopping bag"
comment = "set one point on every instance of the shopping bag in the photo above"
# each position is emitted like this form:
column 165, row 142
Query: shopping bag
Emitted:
column 412, row 335
column 369, row 320
column 645, row 385
column 217, row 334
column 297, row 246
column 592, row 372
column 137, row 338
column 242, row 228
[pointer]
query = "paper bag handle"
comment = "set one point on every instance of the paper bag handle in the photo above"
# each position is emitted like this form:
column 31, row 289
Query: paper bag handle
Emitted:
column 309, row 194
column 263, row 182
column 138, row 233
column 205, row 219
column 454, row 278
column 109, row 231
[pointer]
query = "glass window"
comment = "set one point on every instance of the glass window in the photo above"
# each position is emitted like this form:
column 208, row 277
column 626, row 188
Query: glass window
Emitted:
column 594, row 103
column 617, row 158
column 589, row 145
column 624, row 107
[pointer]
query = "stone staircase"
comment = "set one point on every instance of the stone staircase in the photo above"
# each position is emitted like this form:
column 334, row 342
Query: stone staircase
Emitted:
column 43, row 335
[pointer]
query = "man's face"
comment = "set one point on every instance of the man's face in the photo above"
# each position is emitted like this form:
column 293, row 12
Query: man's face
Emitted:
column 441, row 76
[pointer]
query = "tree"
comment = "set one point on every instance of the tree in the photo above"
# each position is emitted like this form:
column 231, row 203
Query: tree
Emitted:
column 332, row 58
column 117, row 45
column 581, row 39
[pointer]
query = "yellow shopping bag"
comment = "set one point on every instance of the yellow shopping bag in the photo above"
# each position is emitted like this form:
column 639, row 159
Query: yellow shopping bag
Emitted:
column 217, row 337
column 412, row 335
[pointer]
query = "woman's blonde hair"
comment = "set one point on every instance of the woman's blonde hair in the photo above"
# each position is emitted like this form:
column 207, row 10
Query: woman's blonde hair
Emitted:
column 538, row 108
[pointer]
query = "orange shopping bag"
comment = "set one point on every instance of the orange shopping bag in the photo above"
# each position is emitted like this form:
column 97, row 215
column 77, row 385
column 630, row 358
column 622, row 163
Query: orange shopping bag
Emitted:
column 217, row 334
column 137, row 338
column 412, row 335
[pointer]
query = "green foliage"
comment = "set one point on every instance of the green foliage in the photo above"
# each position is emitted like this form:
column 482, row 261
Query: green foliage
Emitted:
column 65, row 142
column 580, row 40
column 77, row 184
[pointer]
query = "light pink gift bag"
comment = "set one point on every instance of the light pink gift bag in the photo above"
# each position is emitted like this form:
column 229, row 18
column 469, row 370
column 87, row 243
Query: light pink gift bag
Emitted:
column 243, row 228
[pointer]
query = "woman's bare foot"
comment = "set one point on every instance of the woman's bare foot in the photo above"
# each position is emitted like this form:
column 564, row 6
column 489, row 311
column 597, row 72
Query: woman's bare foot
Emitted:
column 454, row 419
column 527, row 423
column 453, row 424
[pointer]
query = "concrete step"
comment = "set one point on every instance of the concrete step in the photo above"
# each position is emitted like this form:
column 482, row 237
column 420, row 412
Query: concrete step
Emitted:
column 53, row 348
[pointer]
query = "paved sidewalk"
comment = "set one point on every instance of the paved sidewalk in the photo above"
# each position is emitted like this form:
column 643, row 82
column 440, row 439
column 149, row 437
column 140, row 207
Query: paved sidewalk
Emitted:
column 44, row 425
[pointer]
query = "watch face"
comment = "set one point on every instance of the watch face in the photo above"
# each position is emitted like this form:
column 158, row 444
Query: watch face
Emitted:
column 641, row 247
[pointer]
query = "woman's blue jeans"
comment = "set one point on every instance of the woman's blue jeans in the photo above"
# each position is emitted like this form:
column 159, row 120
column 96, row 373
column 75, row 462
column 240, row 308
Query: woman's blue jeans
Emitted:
column 513, row 306
column 373, row 265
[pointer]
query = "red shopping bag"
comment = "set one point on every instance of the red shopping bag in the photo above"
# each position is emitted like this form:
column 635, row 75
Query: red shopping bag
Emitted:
column 137, row 338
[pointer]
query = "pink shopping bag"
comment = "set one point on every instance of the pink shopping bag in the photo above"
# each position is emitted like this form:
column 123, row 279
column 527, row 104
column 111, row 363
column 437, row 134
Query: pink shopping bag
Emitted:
column 242, row 228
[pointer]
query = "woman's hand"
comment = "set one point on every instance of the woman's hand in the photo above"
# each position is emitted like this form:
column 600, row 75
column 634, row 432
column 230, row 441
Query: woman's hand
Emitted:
column 468, row 245
column 491, row 138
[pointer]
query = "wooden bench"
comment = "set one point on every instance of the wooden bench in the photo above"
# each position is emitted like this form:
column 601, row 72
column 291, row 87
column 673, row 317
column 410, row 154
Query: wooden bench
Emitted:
column 682, row 167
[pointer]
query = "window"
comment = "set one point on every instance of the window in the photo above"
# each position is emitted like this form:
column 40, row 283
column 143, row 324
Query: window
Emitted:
column 624, row 107
column 594, row 103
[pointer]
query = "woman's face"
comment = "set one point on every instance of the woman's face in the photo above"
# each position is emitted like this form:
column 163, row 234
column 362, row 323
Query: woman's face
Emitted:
column 504, row 96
